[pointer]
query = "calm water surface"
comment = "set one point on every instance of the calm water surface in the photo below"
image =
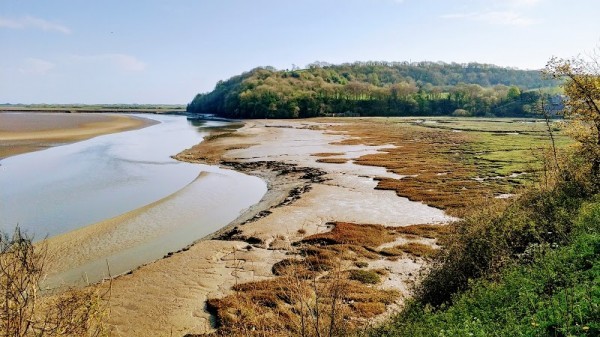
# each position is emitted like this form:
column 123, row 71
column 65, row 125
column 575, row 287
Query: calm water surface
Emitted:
column 66, row 187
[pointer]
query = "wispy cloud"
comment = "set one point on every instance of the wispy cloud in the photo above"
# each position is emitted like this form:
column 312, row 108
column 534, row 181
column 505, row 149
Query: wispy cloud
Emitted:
column 35, row 66
column 33, row 22
column 511, row 18
column 122, row 61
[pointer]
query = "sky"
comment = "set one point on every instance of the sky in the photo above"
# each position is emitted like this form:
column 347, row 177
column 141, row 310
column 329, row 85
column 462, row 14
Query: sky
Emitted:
column 167, row 51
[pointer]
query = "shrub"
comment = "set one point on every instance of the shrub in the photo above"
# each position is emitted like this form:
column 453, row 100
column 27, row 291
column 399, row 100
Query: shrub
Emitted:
column 24, row 311
column 490, row 238
column 556, row 294
column 461, row 113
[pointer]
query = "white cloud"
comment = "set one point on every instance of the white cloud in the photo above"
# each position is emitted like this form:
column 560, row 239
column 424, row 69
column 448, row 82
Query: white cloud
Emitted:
column 511, row 18
column 122, row 61
column 36, row 66
column 32, row 22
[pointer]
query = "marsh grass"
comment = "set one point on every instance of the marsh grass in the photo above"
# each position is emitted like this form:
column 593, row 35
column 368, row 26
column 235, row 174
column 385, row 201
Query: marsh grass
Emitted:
column 318, row 291
column 299, row 304
column 365, row 276
column 427, row 231
column 441, row 165
column 356, row 234
column 327, row 154
column 332, row 160
column 417, row 249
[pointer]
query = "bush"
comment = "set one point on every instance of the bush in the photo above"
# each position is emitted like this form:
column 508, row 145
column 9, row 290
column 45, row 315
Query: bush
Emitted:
column 461, row 113
column 491, row 238
column 556, row 294
column 24, row 311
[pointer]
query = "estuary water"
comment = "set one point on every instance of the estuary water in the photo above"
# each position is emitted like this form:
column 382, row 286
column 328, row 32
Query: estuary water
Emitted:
column 155, row 204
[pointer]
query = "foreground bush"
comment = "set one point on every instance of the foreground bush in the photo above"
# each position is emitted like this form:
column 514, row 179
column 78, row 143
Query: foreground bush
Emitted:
column 556, row 294
column 490, row 239
column 25, row 311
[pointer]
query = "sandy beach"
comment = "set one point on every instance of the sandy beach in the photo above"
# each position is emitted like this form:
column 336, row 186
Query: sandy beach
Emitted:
column 27, row 132
column 305, row 193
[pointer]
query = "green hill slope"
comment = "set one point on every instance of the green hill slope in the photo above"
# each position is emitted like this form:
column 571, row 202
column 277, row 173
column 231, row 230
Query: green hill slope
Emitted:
column 375, row 89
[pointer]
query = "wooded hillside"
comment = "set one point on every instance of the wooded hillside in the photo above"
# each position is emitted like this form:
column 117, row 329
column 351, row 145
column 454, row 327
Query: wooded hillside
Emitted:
column 376, row 89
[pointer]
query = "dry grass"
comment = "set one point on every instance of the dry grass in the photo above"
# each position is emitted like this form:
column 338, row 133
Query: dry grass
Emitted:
column 354, row 234
column 287, row 305
column 314, row 283
column 417, row 249
column 332, row 160
column 391, row 252
column 327, row 154
column 426, row 231
column 368, row 309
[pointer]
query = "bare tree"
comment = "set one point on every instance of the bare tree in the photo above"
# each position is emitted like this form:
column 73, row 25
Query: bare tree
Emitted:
column 582, row 106
column 27, row 311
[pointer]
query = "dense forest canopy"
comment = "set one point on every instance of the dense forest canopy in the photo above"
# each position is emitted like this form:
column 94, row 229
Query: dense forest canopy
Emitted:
column 376, row 89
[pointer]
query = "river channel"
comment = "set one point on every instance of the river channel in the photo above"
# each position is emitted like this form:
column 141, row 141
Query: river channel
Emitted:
column 143, row 203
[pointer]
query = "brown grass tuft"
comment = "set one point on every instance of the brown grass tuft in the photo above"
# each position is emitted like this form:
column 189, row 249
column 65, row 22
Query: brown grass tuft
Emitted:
column 327, row 154
column 418, row 249
column 355, row 234
column 332, row 160
column 368, row 309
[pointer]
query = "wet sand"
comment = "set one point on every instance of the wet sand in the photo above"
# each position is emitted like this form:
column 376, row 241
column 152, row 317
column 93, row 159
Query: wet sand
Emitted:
column 168, row 296
column 148, row 233
column 27, row 132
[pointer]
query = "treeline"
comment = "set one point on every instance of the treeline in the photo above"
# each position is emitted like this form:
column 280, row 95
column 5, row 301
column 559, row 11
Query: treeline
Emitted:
column 376, row 89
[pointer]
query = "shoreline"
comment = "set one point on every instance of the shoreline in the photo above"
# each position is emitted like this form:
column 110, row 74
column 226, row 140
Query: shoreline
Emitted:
column 141, row 236
column 28, row 132
column 171, row 292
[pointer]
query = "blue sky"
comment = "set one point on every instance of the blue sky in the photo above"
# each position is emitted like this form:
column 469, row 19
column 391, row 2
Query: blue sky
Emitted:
column 166, row 51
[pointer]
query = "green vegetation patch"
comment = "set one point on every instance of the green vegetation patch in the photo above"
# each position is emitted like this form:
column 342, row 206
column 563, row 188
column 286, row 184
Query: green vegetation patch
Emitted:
column 503, row 146
column 557, row 294
column 365, row 276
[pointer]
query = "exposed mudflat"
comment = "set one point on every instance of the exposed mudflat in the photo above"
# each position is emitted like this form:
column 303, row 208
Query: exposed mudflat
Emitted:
column 168, row 296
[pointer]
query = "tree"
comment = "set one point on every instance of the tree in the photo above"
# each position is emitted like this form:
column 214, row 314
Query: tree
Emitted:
column 513, row 93
column 582, row 88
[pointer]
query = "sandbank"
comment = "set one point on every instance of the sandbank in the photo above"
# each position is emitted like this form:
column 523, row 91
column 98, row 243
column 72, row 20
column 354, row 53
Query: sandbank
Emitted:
column 27, row 132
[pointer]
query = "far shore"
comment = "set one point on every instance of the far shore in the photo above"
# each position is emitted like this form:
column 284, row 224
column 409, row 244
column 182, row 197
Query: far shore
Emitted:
column 28, row 132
